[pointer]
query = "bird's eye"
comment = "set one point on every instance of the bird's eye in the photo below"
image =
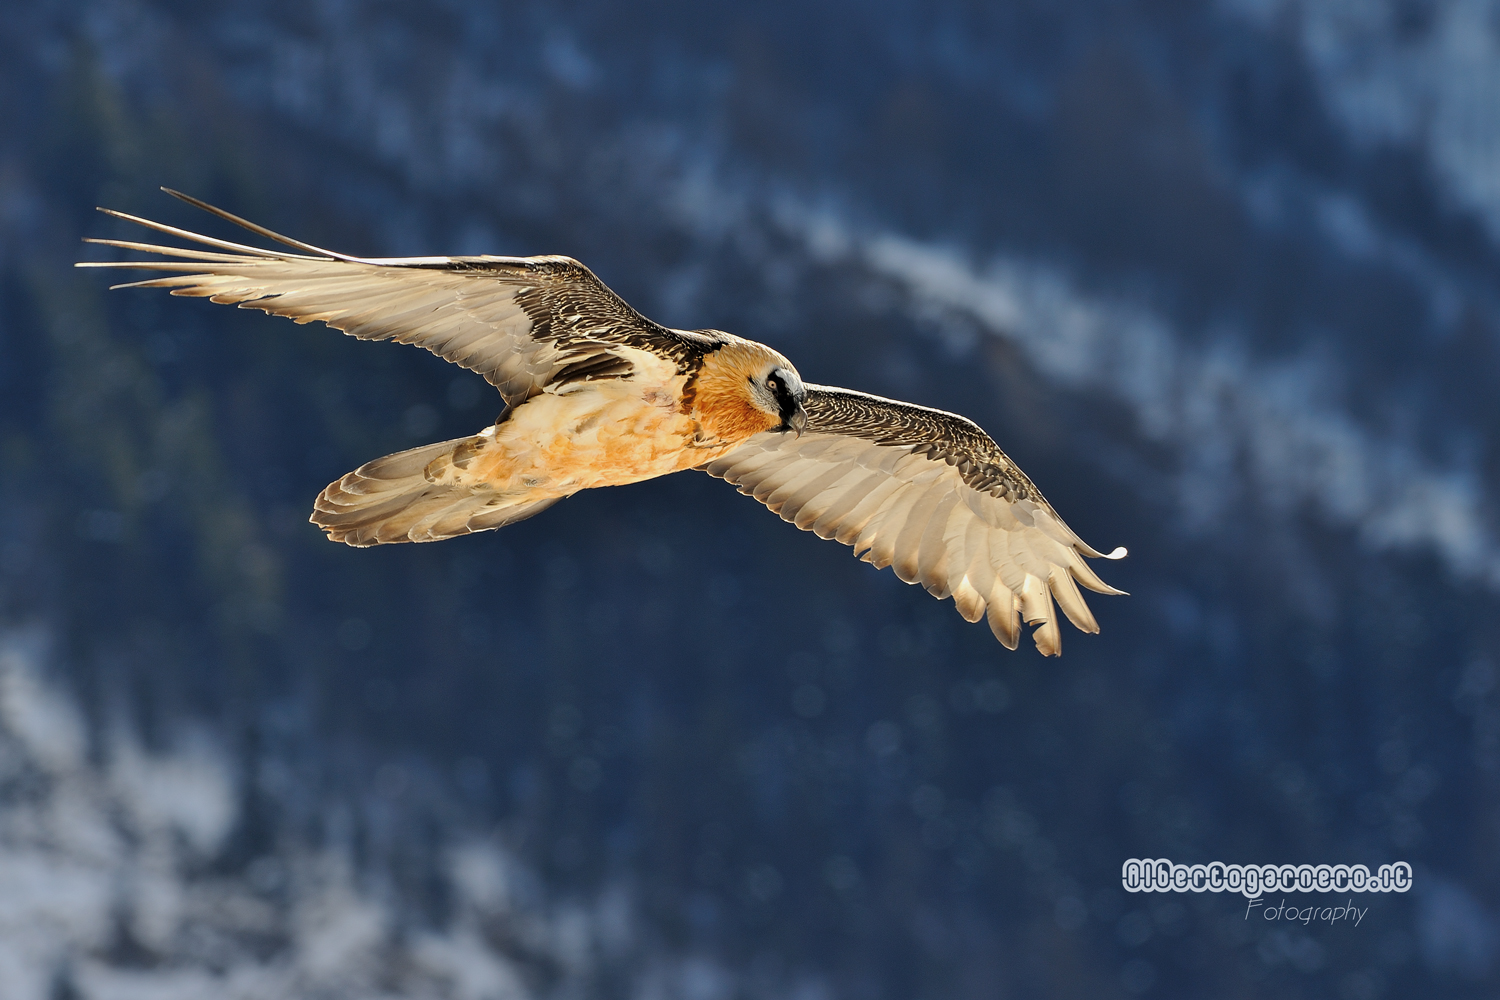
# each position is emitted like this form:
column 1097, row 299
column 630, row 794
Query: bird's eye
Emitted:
column 770, row 383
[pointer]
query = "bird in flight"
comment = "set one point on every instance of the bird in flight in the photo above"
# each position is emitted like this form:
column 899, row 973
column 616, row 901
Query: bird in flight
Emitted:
column 598, row 395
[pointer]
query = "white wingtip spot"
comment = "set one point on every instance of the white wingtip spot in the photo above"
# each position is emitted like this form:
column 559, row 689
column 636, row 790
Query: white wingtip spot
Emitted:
column 1118, row 553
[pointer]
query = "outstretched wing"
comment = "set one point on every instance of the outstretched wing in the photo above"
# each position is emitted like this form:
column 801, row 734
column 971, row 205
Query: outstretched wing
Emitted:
column 522, row 322
column 931, row 495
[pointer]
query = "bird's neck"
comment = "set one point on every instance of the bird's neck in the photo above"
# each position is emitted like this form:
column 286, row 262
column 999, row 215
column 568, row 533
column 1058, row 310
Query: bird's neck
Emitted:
column 722, row 404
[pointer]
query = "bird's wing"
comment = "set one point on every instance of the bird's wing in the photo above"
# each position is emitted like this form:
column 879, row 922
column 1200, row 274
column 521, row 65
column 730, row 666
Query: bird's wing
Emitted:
column 522, row 322
column 931, row 495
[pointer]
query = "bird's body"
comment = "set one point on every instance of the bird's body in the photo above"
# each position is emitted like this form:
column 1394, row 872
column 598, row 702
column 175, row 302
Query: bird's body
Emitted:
column 583, row 435
column 597, row 395
column 605, row 433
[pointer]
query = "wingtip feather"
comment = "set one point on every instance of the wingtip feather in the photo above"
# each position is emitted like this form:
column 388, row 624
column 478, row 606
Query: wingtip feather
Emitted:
column 259, row 229
column 1048, row 638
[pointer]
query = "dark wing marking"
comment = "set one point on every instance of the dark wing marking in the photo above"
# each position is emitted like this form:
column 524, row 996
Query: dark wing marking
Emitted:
column 524, row 323
column 931, row 495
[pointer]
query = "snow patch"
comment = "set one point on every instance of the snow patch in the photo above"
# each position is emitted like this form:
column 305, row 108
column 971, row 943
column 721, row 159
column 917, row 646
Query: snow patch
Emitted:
column 107, row 889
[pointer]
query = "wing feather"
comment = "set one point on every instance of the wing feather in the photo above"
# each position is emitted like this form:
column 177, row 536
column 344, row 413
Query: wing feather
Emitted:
column 828, row 523
column 1071, row 601
column 796, row 477
column 1003, row 616
column 940, row 564
column 979, row 572
column 930, row 495
column 886, row 531
column 967, row 600
column 1085, row 575
column 790, row 499
column 906, row 544
column 813, row 502
column 853, row 525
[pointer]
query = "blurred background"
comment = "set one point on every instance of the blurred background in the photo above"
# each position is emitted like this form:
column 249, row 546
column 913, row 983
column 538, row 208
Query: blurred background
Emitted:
column 1222, row 277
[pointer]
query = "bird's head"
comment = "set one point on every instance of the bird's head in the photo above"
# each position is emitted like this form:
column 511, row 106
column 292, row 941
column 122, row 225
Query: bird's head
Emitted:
column 745, row 388
column 780, row 391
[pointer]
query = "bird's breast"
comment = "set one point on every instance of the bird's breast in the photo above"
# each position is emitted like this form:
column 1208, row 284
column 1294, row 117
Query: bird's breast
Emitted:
column 604, row 433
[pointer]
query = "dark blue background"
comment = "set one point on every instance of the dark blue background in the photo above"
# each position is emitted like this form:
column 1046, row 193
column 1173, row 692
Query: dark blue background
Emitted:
column 1221, row 278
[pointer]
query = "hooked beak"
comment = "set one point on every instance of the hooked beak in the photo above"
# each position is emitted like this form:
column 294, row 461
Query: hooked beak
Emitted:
column 798, row 420
column 790, row 395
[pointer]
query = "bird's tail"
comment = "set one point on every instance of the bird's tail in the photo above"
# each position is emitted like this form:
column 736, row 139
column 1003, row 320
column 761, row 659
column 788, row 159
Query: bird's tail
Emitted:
column 421, row 495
